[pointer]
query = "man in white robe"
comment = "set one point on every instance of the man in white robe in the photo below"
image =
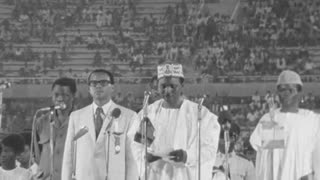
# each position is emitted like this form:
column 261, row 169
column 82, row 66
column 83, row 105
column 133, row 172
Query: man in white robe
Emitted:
column 173, row 152
column 285, row 138
column 316, row 158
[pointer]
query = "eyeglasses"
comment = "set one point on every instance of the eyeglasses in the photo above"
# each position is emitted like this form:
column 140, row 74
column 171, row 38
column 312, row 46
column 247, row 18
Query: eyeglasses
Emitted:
column 290, row 90
column 94, row 83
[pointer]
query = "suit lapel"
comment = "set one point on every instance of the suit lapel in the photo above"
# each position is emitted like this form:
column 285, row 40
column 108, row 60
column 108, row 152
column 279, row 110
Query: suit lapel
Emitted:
column 89, row 121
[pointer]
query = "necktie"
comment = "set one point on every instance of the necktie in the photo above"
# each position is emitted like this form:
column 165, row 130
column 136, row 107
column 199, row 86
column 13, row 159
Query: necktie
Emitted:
column 98, row 121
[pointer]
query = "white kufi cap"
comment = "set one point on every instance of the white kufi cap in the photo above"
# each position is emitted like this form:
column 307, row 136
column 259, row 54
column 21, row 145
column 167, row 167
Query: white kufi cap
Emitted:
column 167, row 70
column 289, row 77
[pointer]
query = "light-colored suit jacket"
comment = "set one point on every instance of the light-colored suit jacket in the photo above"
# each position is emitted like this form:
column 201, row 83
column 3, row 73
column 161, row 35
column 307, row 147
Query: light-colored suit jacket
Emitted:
column 91, row 152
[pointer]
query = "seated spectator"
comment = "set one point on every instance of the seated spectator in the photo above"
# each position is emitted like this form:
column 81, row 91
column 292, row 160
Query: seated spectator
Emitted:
column 100, row 42
column 100, row 20
column 108, row 18
column 85, row 74
column 24, row 157
column 78, row 38
column 97, row 60
column 8, row 53
column 70, row 73
column 118, row 99
column 91, row 42
column 19, row 54
column 252, row 116
column 308, row 67
column 256, row 98
column 12, row 146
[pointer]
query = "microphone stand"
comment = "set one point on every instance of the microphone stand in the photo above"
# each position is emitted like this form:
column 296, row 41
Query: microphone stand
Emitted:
column 199, row 136
column 107, row 130
column 145, row 115
column 51, row 143
column 108, row 155
column 271, row 105
column 33, row 144
column 226, row 150
column 108, row 147
column 74, row 163
column 33, row 138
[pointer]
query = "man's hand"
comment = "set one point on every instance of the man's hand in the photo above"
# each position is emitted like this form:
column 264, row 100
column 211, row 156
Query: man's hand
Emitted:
column 151, row 158
column 308, row 177
column 178, row 156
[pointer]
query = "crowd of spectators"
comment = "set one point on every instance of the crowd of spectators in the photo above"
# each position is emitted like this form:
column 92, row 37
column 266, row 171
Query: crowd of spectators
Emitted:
column 257, row 46
column 273, row 35
column 44, row 19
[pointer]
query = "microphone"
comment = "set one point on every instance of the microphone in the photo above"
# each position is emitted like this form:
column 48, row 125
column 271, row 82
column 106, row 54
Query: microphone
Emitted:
column 80, row 133
column 5, row 85
column 115, row 115
column 116, row 112
column 61, row 106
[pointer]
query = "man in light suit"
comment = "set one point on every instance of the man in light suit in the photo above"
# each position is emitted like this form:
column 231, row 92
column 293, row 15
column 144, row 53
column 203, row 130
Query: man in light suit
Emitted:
column 91, row 149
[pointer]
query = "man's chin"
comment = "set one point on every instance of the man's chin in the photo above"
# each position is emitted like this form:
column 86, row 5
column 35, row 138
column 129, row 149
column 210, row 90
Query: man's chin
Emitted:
column 3, row 161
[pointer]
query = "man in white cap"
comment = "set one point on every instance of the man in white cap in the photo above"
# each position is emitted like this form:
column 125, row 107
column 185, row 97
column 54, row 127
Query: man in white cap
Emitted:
column 316, row 158
column 285, row 137
column 172, row 154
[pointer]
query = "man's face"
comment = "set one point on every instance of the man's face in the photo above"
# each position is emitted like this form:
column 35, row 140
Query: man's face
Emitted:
column 288, row 94
column 62, row 94
column 8, row 156
column 100, row 86
column 170, row 89
column 221, row 146
column 24, row 157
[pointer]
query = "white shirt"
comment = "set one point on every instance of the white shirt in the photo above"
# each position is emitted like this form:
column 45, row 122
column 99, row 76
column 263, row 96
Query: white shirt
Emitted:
column 106, row 108
column 17, row 173
column 240, row 168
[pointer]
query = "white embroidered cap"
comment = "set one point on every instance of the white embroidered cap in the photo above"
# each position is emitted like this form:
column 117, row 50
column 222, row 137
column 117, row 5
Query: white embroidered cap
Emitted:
column 289, row 77
column 167, row 70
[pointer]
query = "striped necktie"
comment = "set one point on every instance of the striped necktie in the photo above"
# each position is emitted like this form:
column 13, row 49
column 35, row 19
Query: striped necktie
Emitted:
column 98, row 120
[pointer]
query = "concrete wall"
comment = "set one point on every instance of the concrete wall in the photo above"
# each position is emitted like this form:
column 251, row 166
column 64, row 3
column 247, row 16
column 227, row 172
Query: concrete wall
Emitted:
column 227, row 89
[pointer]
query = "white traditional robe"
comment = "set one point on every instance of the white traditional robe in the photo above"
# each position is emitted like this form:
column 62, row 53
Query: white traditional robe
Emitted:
column 177, row 129
column 294, row 159
column 316, row 157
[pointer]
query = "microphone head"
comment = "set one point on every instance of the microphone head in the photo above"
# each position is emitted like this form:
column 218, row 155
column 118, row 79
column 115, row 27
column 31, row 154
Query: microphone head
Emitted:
column 115, row 113
column 62, row 106
column 8, row 84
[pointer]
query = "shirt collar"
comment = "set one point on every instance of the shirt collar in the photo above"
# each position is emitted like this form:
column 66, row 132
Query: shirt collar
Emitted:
column 231, row 154
column 105, row 107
